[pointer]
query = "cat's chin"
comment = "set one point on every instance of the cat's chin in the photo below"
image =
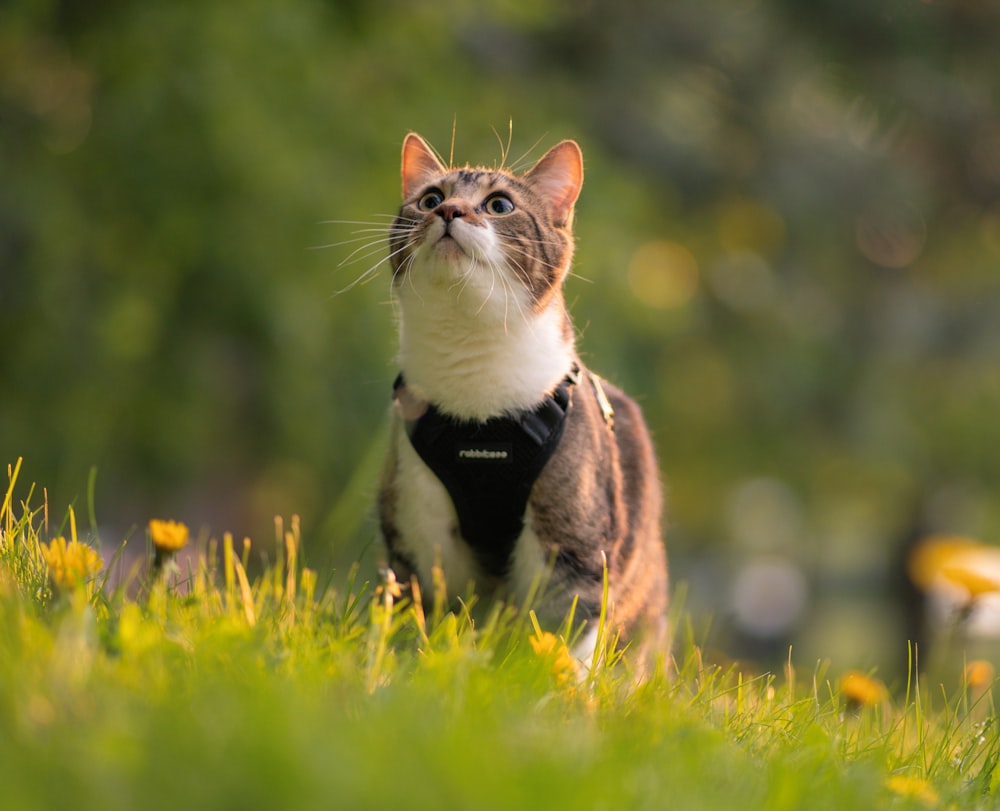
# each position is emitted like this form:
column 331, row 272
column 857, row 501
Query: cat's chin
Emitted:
column 449, row 249
column 482, row 293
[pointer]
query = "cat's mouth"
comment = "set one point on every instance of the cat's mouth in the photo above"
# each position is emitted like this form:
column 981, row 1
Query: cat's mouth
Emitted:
column 447, row 241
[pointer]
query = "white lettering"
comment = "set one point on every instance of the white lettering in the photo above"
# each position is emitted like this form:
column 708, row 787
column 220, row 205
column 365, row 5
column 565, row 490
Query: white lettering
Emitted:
column 482, row 453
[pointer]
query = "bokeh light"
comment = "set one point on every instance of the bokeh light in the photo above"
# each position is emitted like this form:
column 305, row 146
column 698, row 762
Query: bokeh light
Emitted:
column 663, row 274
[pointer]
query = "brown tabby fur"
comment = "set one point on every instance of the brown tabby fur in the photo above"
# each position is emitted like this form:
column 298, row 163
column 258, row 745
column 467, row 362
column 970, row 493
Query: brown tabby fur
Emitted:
column 599, row 497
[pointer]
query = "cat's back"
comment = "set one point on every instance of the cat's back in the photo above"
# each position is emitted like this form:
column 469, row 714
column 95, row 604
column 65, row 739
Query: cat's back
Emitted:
column 607, row 461
column 639, row 561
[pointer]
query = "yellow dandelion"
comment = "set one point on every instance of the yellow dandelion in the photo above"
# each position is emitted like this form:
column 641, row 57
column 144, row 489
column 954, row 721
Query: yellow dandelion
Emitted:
column 544, row 643
column 168, row 536
column 979, row 673
column 976, row 583
column 70, row 563
column 862, row 690
column 916, row 787
column 547, row 645
column 934, row 553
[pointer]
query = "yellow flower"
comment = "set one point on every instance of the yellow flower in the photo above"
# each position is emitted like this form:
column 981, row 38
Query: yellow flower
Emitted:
column 564, row 666
column 168, row 536
column 974, row 582
column 956, row 561
column 915, row 787
column 70, row 563
column 934, row 553
column 861, row 689
column 979, row 673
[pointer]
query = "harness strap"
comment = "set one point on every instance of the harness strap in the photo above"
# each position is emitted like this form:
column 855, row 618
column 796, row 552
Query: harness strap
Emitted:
column 489, row 467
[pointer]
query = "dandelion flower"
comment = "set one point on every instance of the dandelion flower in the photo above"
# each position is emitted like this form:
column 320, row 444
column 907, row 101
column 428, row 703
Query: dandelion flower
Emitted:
column 564, row 666
column 862, row 690
column 70, row 563
column 906, row 786
column 975, row 583
column 935, row 552
column 169, row 536
column 979, row 673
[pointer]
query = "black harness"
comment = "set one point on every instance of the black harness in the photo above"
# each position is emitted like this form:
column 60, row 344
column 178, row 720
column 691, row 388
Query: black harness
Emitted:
column 489, row 467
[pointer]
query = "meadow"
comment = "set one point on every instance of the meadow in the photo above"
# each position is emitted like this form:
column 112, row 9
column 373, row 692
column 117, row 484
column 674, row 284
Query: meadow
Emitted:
column 203, row 686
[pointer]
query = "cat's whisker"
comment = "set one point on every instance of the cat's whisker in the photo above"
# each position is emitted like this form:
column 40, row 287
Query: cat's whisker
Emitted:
column 365, row 251
column 464, row 277
column 569, row 273
column 506, row 295
column 343, row 242
column 519, row 271
column 371, row 272
column 363, row 233
column 360, row 251
column 408, row 264
column 404, row 267
column 514, row 248
column 515, row 167
column 507, row 240
column 489, row 294
column 390, row 217
column 360, row 235
column 509, row 285
column 517, row 249
column 368, row 250
column 463, row 280
column 366, row 277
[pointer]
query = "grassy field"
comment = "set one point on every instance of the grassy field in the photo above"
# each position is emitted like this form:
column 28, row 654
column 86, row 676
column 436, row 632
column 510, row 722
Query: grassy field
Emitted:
column 206, row 688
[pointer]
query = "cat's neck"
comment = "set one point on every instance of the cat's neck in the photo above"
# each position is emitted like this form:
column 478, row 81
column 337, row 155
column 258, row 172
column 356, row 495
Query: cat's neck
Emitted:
column 477, row 365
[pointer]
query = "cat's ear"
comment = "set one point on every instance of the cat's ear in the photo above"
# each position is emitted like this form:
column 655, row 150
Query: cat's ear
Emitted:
column 557, row 177
column 420, row 164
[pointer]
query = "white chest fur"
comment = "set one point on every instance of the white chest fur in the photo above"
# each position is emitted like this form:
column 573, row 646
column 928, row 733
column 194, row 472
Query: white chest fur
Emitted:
column 470, row 341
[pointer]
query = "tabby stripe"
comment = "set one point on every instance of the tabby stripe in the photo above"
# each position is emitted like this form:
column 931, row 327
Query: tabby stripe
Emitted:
column 469, row 177
column 543, row 247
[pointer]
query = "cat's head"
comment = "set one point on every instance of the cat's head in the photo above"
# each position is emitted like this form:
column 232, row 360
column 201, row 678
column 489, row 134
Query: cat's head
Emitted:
column 458, row 228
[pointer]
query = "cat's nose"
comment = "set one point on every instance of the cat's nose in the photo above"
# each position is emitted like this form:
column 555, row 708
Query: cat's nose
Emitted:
column 449, row 210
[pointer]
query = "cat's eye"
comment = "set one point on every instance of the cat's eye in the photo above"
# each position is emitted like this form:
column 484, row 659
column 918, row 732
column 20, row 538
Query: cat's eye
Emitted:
column 430, row 200
column 499, row 204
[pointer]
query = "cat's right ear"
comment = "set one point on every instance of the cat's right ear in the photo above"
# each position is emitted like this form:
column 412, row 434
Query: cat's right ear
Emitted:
column 558, row 176
column 420, row 164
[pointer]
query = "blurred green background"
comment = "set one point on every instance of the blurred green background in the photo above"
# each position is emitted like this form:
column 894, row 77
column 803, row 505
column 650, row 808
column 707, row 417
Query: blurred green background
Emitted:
column 788, row 251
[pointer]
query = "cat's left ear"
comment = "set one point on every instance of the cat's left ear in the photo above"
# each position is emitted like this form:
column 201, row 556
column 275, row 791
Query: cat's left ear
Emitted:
column 557, row 177
column 420, row 165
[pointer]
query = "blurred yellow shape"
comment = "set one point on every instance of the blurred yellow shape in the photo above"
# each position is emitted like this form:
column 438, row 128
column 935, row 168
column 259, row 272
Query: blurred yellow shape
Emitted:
column 976, row 583
column 957, row 561
column 933, row 553
column 861, row 689
column 916, row 787
column 564, row 666
column 663, row 274
column 170, row 536
column 979, row 673
column 70, row 563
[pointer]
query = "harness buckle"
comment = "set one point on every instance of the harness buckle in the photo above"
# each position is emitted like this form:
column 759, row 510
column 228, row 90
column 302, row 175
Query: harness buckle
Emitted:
column 602, row 400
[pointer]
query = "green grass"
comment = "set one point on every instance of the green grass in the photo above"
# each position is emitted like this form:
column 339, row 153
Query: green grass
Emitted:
column 269, row 692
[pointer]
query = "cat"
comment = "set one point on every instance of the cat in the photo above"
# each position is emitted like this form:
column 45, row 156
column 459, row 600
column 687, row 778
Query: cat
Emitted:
column 509, row 462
